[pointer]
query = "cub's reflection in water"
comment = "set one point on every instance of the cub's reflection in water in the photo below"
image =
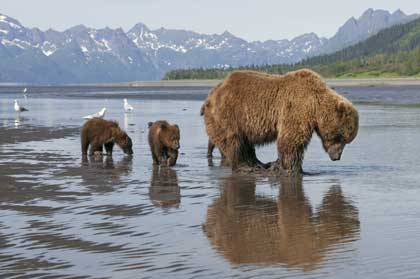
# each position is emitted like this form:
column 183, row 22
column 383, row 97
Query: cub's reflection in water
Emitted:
column 103, row 172
column 247, row 228
column 164, row 189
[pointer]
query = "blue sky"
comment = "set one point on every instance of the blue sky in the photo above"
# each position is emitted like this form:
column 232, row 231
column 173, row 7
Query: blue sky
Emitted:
column 252, row 20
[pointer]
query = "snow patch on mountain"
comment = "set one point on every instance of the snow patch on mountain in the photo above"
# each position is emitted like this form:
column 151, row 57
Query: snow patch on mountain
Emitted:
column 16, row 42
column 84, row 49
column 9, row 22
column 48, row 48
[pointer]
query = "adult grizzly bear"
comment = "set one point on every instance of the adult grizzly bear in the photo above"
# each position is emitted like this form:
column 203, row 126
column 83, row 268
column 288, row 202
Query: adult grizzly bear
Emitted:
column 98, row 132
column 250, row 108
column 164, row 142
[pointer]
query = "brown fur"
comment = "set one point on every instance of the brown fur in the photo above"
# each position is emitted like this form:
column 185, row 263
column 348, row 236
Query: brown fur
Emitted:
column 250, row 108
column 210, row 144
column 164, row 142
column 210, row 148
column 98, row 132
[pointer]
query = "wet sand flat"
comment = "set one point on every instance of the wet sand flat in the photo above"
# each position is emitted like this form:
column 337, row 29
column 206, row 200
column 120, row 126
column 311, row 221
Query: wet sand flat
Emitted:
column 65, row 217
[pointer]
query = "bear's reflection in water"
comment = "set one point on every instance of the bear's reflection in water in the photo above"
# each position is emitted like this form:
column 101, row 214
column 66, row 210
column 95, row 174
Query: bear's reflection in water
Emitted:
column 250, row 229
column 103, row 172
column 164, row 189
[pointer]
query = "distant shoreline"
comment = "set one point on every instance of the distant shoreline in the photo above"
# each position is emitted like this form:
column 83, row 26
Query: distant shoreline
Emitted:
column 331, row 82
column 365, row 82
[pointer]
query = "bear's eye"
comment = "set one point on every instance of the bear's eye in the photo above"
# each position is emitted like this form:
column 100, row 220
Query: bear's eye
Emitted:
column 338, row 138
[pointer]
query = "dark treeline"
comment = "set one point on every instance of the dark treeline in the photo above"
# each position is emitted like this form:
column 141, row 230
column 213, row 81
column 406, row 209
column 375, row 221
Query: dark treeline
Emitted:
column 394, row 51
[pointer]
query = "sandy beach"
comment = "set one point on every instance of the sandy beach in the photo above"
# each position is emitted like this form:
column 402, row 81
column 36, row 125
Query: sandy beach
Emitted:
column 331, row 82
column 367, row 82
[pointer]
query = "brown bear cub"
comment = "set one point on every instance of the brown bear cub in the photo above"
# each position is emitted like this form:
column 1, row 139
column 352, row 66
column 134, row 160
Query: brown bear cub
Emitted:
column 251, row 108
column 98, row 132
column 164, row 142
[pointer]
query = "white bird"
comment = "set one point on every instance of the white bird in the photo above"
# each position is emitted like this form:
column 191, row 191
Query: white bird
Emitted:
column 24, row 92
column 19, row 108
column 127, row 106
column 99, row 114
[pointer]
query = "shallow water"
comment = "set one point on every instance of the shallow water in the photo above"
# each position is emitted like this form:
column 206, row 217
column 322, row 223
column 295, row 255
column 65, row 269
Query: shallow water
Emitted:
column 62, row 217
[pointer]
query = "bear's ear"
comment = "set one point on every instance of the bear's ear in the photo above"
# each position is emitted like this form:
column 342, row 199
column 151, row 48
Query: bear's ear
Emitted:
column 341, row 108
column 176, row 126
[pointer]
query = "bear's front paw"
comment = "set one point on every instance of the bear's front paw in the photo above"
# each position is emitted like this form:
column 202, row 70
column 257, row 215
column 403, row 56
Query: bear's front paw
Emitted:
column 276, row 167
column 245, row 169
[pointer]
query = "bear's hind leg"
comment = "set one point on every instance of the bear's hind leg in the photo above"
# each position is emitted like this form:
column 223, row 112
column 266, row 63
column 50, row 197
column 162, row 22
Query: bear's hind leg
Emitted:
column 85, row 146
column 155, row 157
column 223, row 157
column 251, row 157
column 95, row 147
column 210, row 149
column 237, row 152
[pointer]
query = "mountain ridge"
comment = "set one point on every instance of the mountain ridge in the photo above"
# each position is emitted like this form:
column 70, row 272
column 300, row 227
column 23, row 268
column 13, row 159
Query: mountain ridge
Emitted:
column 392, row 52
column 82, row 54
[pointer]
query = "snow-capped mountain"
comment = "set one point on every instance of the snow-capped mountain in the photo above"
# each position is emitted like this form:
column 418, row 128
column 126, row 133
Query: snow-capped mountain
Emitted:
column 81, row 54
column 187, row 49
column 368, row 24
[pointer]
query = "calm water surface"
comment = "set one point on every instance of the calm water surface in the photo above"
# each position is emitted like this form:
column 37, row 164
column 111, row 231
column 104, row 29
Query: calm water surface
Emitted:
column 62, row 217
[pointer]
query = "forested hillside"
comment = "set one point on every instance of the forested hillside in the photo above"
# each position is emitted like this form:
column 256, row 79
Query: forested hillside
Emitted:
column 394, row 51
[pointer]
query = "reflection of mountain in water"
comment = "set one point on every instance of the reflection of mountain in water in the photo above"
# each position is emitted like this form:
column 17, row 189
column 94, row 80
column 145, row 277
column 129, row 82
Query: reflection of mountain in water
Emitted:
column 250, row 229
column 164, row 190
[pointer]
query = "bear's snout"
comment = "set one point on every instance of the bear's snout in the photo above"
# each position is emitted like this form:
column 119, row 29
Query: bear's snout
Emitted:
column 335, row 152
column 128, row 151
column 335, row 156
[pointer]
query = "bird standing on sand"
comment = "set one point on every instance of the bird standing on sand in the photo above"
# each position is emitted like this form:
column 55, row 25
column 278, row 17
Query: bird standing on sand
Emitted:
column 99, row 114
column 24, row 92
column 19, row 108
column 127, row 106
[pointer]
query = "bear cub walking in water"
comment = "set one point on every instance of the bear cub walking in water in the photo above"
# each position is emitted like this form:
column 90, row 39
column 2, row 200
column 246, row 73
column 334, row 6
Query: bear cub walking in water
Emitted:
column 164, row 142
column 98, row 132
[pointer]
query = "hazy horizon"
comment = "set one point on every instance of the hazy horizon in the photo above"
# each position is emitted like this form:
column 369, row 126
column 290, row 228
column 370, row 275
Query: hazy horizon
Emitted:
column 254, row 21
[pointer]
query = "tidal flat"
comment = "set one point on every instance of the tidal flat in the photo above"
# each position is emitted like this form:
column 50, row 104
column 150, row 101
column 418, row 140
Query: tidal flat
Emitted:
column 65, row 217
